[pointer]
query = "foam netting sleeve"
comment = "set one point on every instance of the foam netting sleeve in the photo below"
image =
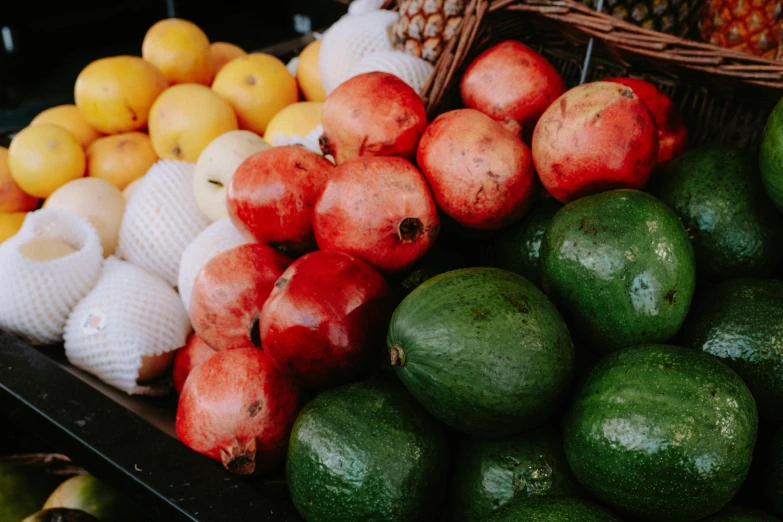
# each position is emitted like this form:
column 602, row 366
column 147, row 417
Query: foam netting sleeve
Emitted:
column 216, row 238
column 37, row 296
column 411, row 69
column 310, row 141
column 131, row 313
column 161, row 219
column 349, row 40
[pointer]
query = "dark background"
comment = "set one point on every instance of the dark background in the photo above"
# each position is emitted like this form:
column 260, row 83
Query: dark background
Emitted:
column 52, row 42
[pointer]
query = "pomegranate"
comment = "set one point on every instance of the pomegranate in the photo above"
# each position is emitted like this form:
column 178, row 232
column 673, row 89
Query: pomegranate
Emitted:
column 513, row 84
column 672, row 135
column 234, row 409
column 596, row 137
column 272, row 194
column 372, row 114
column 379, row 210
column 324, row 316
column 229, row 293
column 195, row 352
column 480, row 174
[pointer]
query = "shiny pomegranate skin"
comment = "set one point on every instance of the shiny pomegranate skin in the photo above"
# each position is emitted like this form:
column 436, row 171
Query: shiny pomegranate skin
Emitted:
column 195, row 352
column 378, row 209
column 236, row 410
column 596, row 137
column 272, row 194
column 229, row 293
column 325, row 316
column 480, row 174
column 672, row 134
column 372, row 114
column 512, row 84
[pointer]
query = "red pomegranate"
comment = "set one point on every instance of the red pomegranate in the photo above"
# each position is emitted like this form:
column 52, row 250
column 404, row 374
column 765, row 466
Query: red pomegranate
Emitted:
column 229, row 293
column 272, row 194
column 513, row 84
column 480, row 174
column 672, row 135
column 379, row 210
column 596, row 137
column 188, row 357
column 372, row 114
column 328, row 311
column 236, row 410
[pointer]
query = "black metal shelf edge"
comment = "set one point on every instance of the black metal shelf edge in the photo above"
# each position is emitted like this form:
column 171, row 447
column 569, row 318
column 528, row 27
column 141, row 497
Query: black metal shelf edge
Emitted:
column 162, row 475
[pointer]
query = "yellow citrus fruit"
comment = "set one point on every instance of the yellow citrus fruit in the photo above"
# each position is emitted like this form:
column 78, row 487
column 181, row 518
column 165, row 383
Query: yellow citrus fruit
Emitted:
column 115, row 94
column 10, row 223
column 180, row 50
column 44, row 158
column 70, row 118
column 121, row 158
column 257, row 86
column 224, row 52
column 185, row 118
column 12, row 198
column 308, row 74
column 298, row 119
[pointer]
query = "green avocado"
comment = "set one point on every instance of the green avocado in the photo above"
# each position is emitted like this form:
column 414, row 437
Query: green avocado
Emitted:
column 492, row 473
column 87, row 493
column 518, row 247
column 483, row 350
column 717, row 193
column 661, row 432
column 552, row 510
column 366, row 452
column 771, row 156
column 732, row 513
column 619, row 265
column 741, row 321
column 61, row 515
column 23, row 490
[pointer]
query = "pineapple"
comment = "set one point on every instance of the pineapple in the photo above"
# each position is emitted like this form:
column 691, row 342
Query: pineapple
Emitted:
column 667, row 16
column 752, row 26
column 425, row 26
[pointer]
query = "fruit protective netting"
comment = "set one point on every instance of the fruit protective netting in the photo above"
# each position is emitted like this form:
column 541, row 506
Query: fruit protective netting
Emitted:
column 310, row 141
column 161, row 219
column 216, row 238
column 37, row 296
column 131, row 313
column 411, row 69
column 348, row 40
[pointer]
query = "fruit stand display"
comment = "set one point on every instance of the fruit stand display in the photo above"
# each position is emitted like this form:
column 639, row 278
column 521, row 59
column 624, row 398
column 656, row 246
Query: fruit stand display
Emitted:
column 456, row 260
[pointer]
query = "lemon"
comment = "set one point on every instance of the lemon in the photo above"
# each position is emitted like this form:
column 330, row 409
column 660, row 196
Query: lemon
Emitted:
column 298, row 119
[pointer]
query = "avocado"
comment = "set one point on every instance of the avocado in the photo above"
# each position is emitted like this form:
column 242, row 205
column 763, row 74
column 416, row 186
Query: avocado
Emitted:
column 741, row 322
column 61, row 515
column 771, row 156
column 23, row 490
column 492, row 473
column 518, row 247
column 718, row 194
column 552, row 510
column 620, row 267
column 732, row 513
column 87, row 493
column 366, row 451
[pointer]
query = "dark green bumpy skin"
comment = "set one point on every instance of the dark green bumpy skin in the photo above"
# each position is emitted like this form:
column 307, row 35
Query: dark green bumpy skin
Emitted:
column 733, row 513
column 518, row 248
column 771, row 156
column 483, row 350
column 620, row 264
column 741, row 322
column 774, row 474
column 718, row 195
column 553, row 510
column 662, row 432
column 492, row 473
column 366, row 452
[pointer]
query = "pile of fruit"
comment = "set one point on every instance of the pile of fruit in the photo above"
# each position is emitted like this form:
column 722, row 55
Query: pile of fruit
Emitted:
column 617, row 362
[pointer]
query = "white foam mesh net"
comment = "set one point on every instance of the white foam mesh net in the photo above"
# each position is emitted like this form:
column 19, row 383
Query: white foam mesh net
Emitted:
column 130, row 314
column 161, row 219
column 37, row 296
column 348, row 40
column 360, row 7
column 308, row 141
column 411, row 69
column 216, row 238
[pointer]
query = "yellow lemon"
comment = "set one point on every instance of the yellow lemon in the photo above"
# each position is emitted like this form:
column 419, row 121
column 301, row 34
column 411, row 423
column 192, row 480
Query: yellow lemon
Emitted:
column 70, row 118
column 308, row 74
column 12, row 198
column 224, row 52
column 298, row 119
column 121, row 158
column 10, row 223
column 180, row 49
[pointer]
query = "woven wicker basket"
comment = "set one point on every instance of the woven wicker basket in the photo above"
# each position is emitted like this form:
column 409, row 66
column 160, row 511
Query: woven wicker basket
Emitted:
column 724, row 96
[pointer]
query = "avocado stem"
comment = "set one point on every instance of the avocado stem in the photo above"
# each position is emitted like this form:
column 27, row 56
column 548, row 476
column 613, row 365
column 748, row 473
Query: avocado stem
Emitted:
column 397, row 355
